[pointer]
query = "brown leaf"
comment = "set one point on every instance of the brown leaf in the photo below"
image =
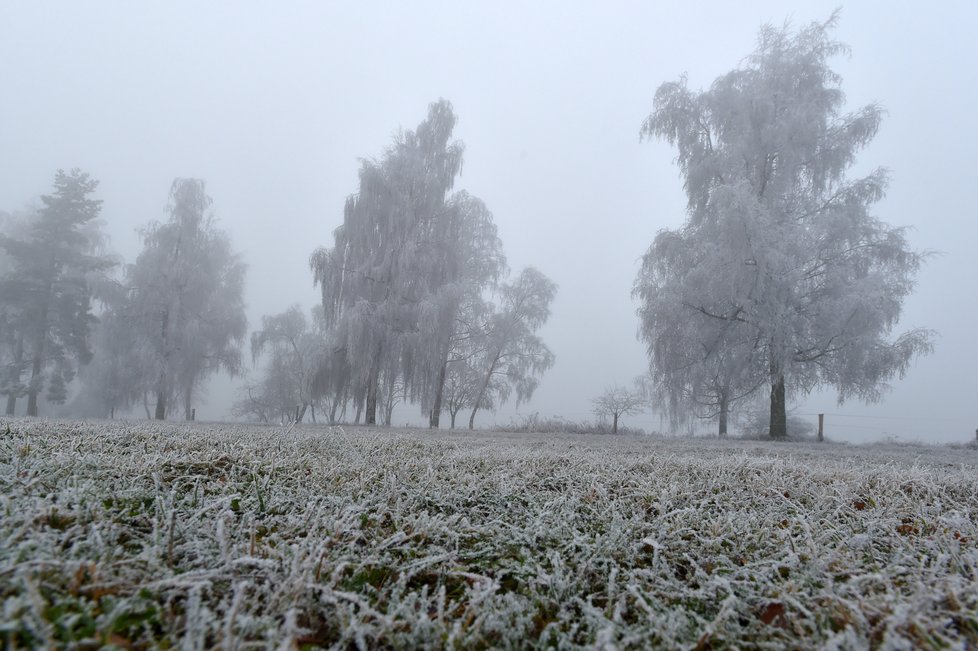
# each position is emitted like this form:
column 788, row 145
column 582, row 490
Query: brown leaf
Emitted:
column 772, row 611
column 859, row 505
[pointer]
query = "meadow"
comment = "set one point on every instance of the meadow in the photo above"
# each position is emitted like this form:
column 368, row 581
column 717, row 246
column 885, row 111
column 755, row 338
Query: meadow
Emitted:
column 152, row 535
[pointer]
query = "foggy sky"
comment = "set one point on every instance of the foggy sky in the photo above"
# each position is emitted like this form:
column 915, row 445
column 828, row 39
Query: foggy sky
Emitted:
column 274, row 104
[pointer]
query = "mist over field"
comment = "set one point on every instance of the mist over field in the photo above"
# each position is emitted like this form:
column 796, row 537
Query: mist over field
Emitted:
column 274, row 110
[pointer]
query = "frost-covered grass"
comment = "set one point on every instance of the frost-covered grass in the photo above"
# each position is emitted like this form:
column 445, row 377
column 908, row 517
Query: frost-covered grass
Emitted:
column 150, row 535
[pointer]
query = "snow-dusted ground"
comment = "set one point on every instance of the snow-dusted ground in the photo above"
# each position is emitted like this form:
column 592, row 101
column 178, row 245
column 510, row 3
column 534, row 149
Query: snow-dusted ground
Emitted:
column 142, row 534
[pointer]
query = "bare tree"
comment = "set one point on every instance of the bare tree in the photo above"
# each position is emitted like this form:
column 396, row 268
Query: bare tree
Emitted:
column 618, row 401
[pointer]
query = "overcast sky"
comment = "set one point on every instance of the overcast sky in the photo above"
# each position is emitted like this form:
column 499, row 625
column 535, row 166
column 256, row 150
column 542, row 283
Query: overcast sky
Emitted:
column 273, row 104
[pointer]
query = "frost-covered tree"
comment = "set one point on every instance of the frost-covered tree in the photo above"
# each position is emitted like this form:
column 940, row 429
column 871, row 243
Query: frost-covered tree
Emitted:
column 779, row 240
column 402, row 261
column 113, row 380
column 186, row 299
column 513, row 356
column 391, row 393
column 372, row 280
column 13, row 364
column 700, row 367
column 470, row 261
column 462, row 384
column 48, row 290
column 618, row 401
column 295, row 351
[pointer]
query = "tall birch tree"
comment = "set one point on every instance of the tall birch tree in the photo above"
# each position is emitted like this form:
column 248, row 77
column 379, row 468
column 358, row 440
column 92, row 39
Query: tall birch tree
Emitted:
column 402, row 261
column 187, row 299
column 782, row 243
column 468, row 261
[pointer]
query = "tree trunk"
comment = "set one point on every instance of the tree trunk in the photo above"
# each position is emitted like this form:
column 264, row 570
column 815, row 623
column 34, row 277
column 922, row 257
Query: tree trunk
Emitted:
column 371, row 406
column 435, row 414
column 37, row 366
column 162, row 388
column 149, row 416
column 160, row 405
column 15, row 379
column 332, row 411
column 312, row 411
column 187, row 399
column 35, row 382
column 723, row 415
column 482, row 391
column 614, row 424
column 779, row 421
column 453, row 418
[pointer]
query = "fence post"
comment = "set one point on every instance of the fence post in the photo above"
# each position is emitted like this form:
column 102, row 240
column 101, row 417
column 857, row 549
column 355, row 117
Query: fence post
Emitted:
column 821, row 423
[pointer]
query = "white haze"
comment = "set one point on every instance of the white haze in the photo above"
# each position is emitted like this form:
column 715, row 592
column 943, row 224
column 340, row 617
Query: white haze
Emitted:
column 274, row 105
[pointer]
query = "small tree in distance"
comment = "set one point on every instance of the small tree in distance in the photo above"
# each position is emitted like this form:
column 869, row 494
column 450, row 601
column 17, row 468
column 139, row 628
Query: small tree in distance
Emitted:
column 619, row 401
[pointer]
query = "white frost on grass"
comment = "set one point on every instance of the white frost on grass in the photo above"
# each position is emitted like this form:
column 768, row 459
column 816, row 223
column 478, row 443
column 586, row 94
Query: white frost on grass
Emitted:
column 139, row 533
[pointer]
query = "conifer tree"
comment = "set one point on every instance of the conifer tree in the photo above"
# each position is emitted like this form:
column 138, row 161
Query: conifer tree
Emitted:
column 47, row 292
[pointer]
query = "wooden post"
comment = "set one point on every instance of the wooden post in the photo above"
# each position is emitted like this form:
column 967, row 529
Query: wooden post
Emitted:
column 821, row 423
column 193, row 414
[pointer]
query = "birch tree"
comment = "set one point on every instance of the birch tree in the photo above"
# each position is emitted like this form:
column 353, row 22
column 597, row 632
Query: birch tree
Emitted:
column 462, row 385
column 514, row 356
column 187, row 301
column 700, row 367
column 402, row 261
column 781, row 243
column 468, row 261
column 296, row 350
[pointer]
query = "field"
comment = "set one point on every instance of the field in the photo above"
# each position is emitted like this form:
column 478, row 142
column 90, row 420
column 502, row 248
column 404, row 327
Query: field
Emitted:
column 146, row 535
